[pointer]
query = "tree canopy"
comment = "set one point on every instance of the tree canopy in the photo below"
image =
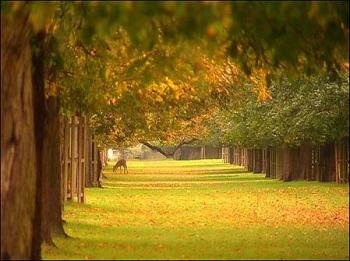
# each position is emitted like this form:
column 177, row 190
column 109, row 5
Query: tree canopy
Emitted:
column 154, row 71
column 303, row 111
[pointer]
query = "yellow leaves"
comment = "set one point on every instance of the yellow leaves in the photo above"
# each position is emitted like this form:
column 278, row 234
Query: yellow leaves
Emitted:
column 139, row 92
column 81, row 59
column 258, row 78
column 176, row 89
column 159, row 98
column 112, row 101
column 223, row 76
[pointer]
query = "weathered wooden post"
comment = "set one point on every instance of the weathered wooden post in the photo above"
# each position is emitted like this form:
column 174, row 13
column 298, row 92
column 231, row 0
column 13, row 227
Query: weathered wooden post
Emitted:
column 65, row 158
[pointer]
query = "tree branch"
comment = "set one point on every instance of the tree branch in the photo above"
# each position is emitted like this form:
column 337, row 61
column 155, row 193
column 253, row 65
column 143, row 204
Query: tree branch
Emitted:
column 184, row 143
column 153, row 147
column 161, row 151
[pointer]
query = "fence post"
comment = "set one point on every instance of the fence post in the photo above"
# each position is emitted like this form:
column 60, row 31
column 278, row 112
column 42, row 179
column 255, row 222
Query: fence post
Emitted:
column 74, row 157
column 65, row 157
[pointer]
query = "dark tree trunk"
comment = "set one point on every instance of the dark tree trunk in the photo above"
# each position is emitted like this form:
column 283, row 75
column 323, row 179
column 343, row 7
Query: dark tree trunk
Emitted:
column 305, row 162
column 47, row 126
column 315, row 163
column 290, row 164
column 19, row 237
column 39, row 127
column 263, row 160
column 268, row 163
column 257, row 164
column 327, row 163
column 273, row 162
column 244, row 157
column 231, row 155
column 51, row 200
column 341, row 149
column 279, row 163
column 99, row 168
column 250, row 166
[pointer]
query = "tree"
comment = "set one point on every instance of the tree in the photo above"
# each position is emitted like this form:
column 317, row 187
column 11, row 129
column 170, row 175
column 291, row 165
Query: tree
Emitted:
column 84, row 87
column 301, row 113
column 19, row 147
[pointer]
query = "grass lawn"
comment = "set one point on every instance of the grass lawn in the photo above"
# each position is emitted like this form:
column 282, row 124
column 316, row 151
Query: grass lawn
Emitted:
column 204, row 209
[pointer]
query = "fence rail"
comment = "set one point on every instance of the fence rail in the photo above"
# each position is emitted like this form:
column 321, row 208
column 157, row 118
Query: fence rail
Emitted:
column 79, row 158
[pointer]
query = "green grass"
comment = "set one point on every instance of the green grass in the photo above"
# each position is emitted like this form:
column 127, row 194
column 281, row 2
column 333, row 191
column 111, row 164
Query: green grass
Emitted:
column 204, row 210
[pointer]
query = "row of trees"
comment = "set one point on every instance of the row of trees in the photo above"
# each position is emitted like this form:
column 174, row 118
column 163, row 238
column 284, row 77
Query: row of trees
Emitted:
column 301, row 115
column 141, row 72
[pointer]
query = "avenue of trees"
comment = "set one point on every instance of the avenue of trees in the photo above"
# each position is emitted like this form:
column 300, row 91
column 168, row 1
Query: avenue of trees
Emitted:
column 249, row 74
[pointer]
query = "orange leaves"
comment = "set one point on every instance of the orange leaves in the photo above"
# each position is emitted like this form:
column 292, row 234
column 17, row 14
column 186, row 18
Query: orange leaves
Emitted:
column 223, row 76
column 345, row 67
column 258, row 78
column 211, row 31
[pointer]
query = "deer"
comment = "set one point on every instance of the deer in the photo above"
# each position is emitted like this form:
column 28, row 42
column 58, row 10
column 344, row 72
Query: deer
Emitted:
column 121, row 163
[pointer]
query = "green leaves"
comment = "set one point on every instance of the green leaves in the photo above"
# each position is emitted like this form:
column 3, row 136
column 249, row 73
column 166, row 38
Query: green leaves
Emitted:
column 301, row 111
column 280, row 33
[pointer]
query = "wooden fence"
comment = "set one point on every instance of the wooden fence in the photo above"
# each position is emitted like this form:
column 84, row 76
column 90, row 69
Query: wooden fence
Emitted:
column 328, row 162
column 80, row 158
column 73, row 158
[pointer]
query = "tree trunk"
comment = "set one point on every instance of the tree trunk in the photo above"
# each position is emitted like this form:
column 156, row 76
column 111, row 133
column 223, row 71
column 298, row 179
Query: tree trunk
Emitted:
column 263, row 160
column 250, row 165
column 99, row 168
column 257, row 164
column 279, row 163
column 290, row 164
column 39, row 130
column 342, row 160
column 19, row 236
column 268, row 162
column 327, row 163
column 231, row 155
column 315, row 163
column 244, row 158
column 51, row 200
column 273, row 162
column 305, row 162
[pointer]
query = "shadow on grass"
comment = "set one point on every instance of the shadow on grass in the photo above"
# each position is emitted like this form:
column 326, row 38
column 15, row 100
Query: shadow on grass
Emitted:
column 179, row 172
